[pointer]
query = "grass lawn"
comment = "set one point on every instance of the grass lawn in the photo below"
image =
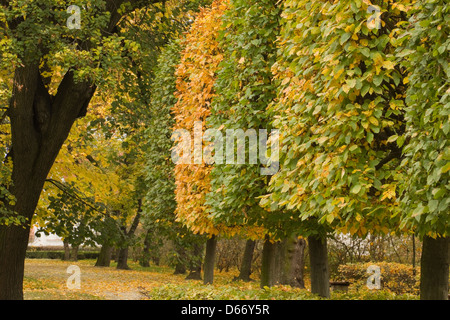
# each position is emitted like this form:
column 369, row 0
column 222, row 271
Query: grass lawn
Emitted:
column 46, row 280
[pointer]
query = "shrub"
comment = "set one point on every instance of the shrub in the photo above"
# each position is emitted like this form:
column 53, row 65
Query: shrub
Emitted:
column 395, row 277
column 59, row 255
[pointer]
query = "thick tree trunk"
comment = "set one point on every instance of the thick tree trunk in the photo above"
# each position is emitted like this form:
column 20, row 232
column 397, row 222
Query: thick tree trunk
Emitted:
column 320, row 274
column 434, row 269
column 122, row 261
column 210, row 259
column 269, row 268
column 13, row 246
column 104, row 257
column 247, row 258
column 293, row 262
column 39, row 126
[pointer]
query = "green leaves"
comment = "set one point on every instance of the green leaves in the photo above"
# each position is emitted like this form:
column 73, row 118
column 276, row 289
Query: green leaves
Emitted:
column 244, row 89
column 425, row 191
column 337, row 113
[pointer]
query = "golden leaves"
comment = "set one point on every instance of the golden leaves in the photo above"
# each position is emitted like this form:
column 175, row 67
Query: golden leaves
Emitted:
column 195, row 90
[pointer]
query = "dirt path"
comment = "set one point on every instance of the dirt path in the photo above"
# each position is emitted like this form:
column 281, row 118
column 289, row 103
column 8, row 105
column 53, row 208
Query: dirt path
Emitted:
column 48, row 279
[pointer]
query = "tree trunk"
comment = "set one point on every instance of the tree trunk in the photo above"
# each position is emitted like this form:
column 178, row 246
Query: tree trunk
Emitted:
column 39, row 126
column 414, row 254
column 122, row 258
column 293, row 262
column 269, row 260
column 122, row 261
column 320, row 274
column 104, row 257
column 74, row 253
column 13, row 246
column 66, row 251
column 210, row 259
column 434, row 269
column 247, row 258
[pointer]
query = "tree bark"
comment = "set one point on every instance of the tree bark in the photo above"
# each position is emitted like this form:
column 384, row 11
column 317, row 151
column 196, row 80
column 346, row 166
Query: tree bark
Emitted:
column 104, row 257
column 268, row 266
column 293, row 263
column 122, row 261
column 210, row 259
column 66, row 251
column 434, row 270
column 247, row 258
column 320, row 274
column 74, row 253
column 413, row 238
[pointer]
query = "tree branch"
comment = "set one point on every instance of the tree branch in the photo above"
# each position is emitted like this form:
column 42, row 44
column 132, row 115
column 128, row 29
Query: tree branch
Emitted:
column 76, row 197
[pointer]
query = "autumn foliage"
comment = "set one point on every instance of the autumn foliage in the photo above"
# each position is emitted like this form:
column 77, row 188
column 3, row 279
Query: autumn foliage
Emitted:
column 195, row 90
column 358, row 90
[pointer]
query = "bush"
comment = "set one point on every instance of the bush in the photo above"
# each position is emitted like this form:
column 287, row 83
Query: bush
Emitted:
column 58, row 255
column 234, row 291
column 395, row 277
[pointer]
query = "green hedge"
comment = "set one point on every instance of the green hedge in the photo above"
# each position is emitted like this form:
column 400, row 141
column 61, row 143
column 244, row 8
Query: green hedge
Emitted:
column 58, row 255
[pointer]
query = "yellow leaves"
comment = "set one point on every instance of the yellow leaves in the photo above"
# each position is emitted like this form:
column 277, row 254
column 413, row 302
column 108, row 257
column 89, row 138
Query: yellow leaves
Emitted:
column 200, row 60
column 322, row 140
column 364, row 42
column 338, row 74
column 374, row 121
column 389, row 192
column 389, row 65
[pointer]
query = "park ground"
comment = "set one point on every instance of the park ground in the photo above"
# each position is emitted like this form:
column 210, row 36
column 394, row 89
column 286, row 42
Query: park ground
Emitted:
column 46, row 279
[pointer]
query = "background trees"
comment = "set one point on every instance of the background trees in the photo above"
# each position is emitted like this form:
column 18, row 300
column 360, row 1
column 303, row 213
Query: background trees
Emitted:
column 358, row 91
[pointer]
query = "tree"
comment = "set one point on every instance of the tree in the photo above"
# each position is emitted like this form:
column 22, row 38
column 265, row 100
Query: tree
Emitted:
column 340, row 111
column 243, row 90
column 40, row 118
column 71, row 217
column 195, row 90
column 159, row 202
column 425, row 193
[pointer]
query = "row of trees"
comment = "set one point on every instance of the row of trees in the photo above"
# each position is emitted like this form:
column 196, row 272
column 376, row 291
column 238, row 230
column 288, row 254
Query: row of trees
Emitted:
column 360, row 102
column 50, row 74
column 362, row 110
